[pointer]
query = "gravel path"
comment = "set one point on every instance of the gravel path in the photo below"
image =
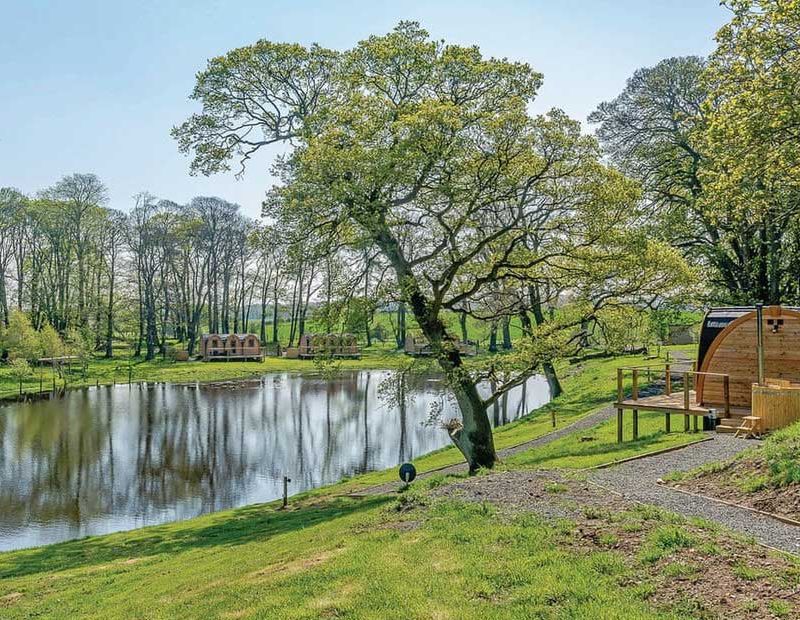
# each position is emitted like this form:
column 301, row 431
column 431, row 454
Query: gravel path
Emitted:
column 589, row 421
column 637, row 480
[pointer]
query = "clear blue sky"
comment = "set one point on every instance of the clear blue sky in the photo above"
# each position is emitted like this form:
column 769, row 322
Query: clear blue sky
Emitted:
column 95, row 86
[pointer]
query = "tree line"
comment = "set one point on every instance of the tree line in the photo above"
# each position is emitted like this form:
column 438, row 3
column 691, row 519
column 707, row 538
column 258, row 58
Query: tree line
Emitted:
column 163, row 272
column 715, row 144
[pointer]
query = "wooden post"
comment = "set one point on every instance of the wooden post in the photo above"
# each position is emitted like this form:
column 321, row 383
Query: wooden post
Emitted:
column 667, row 422
column 286, row 481
column 635, row 387
column 686, row 401
column 667, row 381
column 619, row 425
column 726, row 390
column 694, row 423
column 635, row 424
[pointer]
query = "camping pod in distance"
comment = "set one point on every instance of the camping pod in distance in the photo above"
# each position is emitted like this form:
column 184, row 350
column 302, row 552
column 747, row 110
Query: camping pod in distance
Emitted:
column 729, row 345
column 221, row 347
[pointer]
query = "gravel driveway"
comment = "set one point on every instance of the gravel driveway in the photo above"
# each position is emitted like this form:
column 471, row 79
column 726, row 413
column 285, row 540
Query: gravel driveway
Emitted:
column 637, row 480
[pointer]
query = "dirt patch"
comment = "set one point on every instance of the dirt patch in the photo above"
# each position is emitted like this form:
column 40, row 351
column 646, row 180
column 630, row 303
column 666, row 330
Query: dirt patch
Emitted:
column 546, row 493
column 745, row 482
column 9, row 599
column 687, row 567
column 400, row 526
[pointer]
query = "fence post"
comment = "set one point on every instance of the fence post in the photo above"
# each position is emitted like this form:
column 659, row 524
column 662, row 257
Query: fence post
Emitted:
column 286, row 481
column 667, row 380
column 686, row 401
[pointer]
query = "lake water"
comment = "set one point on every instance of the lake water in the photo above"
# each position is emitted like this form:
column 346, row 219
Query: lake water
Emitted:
column 106, row 459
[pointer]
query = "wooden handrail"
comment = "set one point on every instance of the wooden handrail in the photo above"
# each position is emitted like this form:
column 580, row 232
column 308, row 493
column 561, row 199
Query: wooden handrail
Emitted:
column 689, row 378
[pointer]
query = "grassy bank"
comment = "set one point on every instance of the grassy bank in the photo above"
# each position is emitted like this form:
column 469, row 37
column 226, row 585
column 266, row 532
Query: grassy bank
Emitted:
column 335, row 556
column 346, row 559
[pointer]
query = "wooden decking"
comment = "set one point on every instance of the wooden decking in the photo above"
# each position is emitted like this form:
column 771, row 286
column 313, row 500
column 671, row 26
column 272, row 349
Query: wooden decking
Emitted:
column 682, row 401
column 675, row 403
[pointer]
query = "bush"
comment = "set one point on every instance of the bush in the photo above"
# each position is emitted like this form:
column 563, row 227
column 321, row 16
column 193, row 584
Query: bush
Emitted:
column 19, row 338
column 19, row 370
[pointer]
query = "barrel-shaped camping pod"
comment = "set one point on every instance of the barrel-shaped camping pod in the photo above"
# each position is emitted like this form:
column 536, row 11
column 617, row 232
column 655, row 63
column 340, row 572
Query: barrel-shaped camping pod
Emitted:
column 729, row 346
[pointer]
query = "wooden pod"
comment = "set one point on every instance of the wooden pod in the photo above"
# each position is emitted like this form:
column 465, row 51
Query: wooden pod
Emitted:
column 729, row 345
column 776, row 405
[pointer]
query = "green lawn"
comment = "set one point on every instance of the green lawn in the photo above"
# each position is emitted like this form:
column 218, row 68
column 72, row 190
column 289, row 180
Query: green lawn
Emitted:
column 332, row 556
column 344, row 559
column 598, row 446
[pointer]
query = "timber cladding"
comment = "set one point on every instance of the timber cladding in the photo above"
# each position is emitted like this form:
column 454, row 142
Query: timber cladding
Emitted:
column 776, row 406
column 734, row 351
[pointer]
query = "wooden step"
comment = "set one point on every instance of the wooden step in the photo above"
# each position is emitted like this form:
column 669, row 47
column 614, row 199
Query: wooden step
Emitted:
column 727, row 428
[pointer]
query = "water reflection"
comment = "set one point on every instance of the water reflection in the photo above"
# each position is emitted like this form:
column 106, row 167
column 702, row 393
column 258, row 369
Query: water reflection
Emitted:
column 114, row 458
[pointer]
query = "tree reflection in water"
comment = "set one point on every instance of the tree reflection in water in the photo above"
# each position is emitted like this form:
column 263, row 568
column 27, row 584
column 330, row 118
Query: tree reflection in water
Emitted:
column 113, row 458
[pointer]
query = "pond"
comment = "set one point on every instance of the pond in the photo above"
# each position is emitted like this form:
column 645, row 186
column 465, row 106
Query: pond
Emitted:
column 120, row 457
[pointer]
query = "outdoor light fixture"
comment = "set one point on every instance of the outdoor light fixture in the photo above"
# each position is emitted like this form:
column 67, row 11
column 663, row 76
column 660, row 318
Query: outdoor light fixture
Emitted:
column 776, row 324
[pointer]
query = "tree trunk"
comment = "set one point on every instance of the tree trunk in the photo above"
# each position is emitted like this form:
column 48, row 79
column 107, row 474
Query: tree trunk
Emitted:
column 275, row 311
column 506, row 334
column 493, row 337
column 473, row 434
column 110, row 313
column 547, row 366
column 462, row 321
column 401, row 325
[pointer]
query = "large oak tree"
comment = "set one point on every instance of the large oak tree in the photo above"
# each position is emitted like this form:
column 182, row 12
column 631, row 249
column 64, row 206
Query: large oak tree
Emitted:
column 426, row 152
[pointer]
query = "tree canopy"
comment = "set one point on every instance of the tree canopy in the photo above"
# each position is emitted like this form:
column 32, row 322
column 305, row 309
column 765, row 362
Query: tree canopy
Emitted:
column 427, row 152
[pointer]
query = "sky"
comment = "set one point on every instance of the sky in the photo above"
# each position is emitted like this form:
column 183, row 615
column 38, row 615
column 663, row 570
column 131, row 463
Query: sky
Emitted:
column 95, row 86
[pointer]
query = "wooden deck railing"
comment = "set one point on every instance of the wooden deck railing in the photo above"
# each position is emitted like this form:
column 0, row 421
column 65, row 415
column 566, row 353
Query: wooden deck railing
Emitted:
column 689, row 379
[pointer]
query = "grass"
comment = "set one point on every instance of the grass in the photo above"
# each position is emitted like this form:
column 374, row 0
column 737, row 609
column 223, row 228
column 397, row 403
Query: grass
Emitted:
column 347, row 559
column 331, row 556
column 774, row 464
column 598, row 445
